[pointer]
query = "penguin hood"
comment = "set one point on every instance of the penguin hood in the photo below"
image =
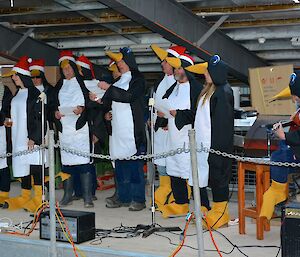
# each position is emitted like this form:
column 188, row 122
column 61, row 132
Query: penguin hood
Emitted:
column 129, row 58
column 217, row 70
column 295, row 84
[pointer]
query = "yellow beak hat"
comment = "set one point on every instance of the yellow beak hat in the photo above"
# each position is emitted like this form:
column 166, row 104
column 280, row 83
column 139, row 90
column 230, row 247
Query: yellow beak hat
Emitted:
column 112, row 66
column 65, row 57
column 173, row 51
column 21, row 67
column 116, row 57
column 282, row 95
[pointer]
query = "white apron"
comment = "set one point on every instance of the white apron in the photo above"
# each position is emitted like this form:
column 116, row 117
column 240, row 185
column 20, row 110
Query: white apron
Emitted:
column 203, row 135
column 71, row 96
column 179, row 165
column 19, row 134
column 161, row 136
column 122, row 141
column 3, row 162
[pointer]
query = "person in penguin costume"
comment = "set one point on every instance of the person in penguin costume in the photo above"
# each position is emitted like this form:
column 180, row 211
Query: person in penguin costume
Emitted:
column 128, row 129
column 115, row 73
column 163, row 194
column 70, row 102
column 214, row 125
column 37, row 70
column 289, row 151
column 26, row 134
column 182, row 98
column 96, row 113
column 4, row 170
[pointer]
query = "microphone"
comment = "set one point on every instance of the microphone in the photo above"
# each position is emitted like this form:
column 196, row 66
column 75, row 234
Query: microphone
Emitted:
column 41, row 97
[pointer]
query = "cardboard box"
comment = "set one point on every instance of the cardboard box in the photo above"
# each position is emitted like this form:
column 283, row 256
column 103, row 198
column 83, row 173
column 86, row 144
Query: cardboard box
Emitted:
column 265, row 83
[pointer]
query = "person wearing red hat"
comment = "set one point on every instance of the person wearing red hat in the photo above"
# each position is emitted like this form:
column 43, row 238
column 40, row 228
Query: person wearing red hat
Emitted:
column 70, row 101
column 128, row 130
column 25, row 134
column 5, row 100
column 163, row 194
column 86, row 70
column 181, row 102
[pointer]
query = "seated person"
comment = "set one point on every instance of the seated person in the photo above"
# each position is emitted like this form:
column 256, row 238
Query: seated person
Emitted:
column 289, row 151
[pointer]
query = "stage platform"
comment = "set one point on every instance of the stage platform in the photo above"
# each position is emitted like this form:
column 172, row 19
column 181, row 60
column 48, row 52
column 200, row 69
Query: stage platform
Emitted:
column 154, row 246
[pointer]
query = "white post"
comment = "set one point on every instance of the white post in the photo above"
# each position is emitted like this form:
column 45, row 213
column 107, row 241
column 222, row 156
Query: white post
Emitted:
column 53, row 251
column 196, row 191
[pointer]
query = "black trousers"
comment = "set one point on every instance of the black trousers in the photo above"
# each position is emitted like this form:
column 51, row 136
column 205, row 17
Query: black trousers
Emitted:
column 5, row 180
column 180, row 190
column 204, row 197
column 36, row 173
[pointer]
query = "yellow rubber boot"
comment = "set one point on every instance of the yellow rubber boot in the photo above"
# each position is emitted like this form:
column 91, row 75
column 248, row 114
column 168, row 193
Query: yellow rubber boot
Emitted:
column 20, row 201
column 3, row 196
column 64, row 176
column 162, row 192
column 189, row 191
column 274, row 195
column 36, row 201
column 218, row 216
column 204, row 210
column 174, row 210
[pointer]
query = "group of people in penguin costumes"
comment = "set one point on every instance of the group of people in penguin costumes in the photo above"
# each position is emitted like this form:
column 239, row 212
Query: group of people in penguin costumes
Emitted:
column 83, row 120
column 209, row 109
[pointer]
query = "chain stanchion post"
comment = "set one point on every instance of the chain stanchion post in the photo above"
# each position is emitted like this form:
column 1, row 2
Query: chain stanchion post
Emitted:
column 53, row 251
column 196, row 191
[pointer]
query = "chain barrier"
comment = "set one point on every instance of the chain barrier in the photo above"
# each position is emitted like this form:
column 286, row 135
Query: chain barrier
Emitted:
column 184, row 149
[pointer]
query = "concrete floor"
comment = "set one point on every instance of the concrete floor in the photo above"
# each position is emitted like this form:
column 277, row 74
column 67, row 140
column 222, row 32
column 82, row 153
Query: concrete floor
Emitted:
column 157, row 245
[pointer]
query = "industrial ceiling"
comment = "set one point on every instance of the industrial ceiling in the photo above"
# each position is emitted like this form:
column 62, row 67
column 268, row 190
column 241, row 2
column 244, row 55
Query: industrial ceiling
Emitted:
column 246, row 32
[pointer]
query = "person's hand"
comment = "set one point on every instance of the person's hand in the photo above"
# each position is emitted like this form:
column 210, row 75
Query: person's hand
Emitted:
column 58, row 115
column 30, row 144
column 8, row 122
column 278, row 131
column 78, row 110
column 173, row 113
column 95, row 139
column 108, row 116
column 160, row 114
column 103, row 85
column 93, row 97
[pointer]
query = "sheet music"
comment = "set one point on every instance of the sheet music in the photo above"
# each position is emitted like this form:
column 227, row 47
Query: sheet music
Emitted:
column 163, row 105
column 67, row 110
column 96, row 90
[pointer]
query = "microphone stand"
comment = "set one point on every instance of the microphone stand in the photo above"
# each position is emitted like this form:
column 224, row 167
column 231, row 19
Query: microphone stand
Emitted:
column 154, row 227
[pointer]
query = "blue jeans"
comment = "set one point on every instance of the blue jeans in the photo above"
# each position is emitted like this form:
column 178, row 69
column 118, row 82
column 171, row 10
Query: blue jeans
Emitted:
column 75, row 171
column 130, row 180
column 77, row 182
column 283, row 154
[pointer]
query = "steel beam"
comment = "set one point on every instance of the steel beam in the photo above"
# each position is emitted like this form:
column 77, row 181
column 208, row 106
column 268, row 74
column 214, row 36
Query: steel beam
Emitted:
column 20, row 41
column 267, row 33
column 95, row 19
column 212, row 30
column 30, row 46
column 270, row 45
column 160, row 17
column 246, row 9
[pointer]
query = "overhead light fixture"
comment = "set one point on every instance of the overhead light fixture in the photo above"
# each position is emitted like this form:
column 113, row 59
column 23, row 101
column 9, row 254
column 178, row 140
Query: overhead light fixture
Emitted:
column 261, row 40
column 11, row 3
column 296, row 1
